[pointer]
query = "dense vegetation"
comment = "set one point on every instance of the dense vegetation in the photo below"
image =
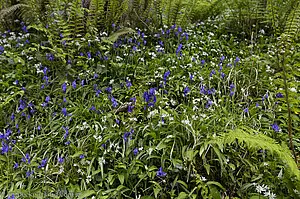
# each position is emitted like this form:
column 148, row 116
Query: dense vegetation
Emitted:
column 149, row 99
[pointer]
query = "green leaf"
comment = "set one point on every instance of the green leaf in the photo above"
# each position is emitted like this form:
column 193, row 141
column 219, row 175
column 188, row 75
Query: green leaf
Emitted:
column 86, row 193
column 121, row 178
column 182, row 195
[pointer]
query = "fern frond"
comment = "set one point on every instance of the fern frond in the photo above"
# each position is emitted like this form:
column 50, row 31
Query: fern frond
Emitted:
column 258, row 141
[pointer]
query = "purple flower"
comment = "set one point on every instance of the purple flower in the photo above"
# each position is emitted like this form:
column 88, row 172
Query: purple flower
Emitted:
column 26, row 158
column 29, row 173
column 231, row 87
column 50, row 56
column 223, row 75
column 118, row 121
column 45, row 70
column 134, row 48
column 89, row 55
column 12, row 117
column 5, row 148
column 186, row 91
column 237, row 60
column 93, row 108
column 279, row 95
column 81, row 156
column 160, row 173
column 275, row 127
column 64, row 87
column 178, row 49
column 130, row 109
column 222, row 58
column 82, row 82
column 166, row 75
column 114, row 102
column 16, row 165
column 109, row 89
column 74, row 84
column 67, row 132
column 11, row 197
column 67, row 143
column 135, row 151
column 43, row 163
column 64, row 111
column 202, row 62
column 208, row 104
column 60, row 160
column 246, row 110
column 213, row 72
column 128, row 84
column 39, row 128
column 133, row 99
column 47, row 99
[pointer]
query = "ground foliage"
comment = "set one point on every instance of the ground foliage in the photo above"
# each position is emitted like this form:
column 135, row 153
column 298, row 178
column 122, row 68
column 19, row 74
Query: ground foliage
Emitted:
column 175, row 112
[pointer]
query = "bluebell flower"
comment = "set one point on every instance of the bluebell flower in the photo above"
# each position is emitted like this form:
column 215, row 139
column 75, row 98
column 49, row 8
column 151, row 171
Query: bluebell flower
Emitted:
column 64, row 111
column 5, row 148
column 257, row 105
column 81, row 54
column 237, row 60
column 275, row 127
column 12, row 117
column 134, row 48
column 26, row 159
column 61, row 35
column 82, row 82
column 16, row 82
column 130, row 109
column 178, row 49
column 65, row 100
column 166, row 75
column 246, row 110
column 126, row 136
column 16, row 165
column 186, row 91
column 69, row 61
column 191, row 77
column 114, row 102
column 44, row 104
column 93, row 108
column 47, row 99
column 1, row 49
column 203, row 90
column 29, row 173
column 213, row 72
column 60, row 160
column 135, row 151
column 231, row 87
column 74, row 84
column 279, row 95
column 209, row 103
column 179, row 29
column 11, row 197
column 67, row 132
column 50, row 56
column 64, row 87
column 113, row 25
column 39, row 128
column 231, row 93
column 222, row 58
column 128, row 84
column 133, row 99
column 81, row 156
column 211, row 91
column 24, row 28
column 118, row 121
column 161, row 173
column 43, row 163
column 45, row 69
column 223, row 75
column 203, row 62
column 89, row 55
column 67, row 143
column 22, row 105
column 109, row 89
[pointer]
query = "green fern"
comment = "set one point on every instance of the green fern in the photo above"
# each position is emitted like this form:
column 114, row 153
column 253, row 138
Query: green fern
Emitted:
column 256, row 141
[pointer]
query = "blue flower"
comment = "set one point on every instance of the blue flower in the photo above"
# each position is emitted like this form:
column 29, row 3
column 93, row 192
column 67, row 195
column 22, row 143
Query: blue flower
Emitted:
column 93, row 108
column 231, row 87
column 5, row 148
column 223, row 75
column 166, row 75
column 43, row 163
column 118, row 121
column 1, row 49
column 203, row 62
column 67, row 143
column 60, row 160
column 160, row 173
column 74, row 84
column 16, row 165
column 81, row 156
column 222, row 58
column 178, row 49
column 45, row 70
column 130, row 109
column 208, row 104
column 275, row 127
column 133, row 99
column 89, row 55
column 64, row 87
column 29, row 173
column 237, row 60
column 109, row 89
column 47, row 99
column 64, row 111
column 213, row 72
column 279, row 95
column 26, row 158
column 128, row 84
column 67, row 132
column 246, row 110
column 12, row 117
column 114, row 102
column 11, row 197
column 186, row 91
column 135, row 151
column 50, row 56
column 82, row 82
